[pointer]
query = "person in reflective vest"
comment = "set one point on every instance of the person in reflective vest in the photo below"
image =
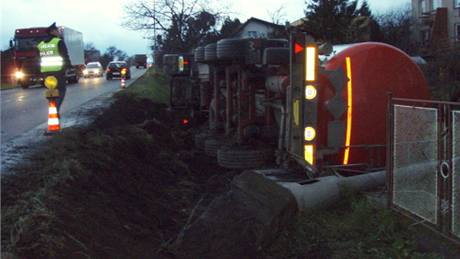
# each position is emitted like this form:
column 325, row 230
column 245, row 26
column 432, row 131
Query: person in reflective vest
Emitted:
column 54, row 59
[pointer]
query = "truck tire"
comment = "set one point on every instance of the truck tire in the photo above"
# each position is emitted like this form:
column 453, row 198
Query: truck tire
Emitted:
column 232, row 49
column 210, row 52
column 211, row 145
column 276, row 56
column 199, row 54
column 275, row 43
column 199, row 140
column 244, row 157
column 249, row 51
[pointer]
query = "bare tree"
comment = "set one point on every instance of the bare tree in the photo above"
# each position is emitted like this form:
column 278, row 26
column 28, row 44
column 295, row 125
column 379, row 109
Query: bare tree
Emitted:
column 277, row 16
column 168, row 21
column 151, row 15
column 396, row 28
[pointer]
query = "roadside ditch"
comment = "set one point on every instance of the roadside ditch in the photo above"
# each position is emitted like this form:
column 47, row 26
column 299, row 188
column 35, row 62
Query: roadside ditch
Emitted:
column 125, row 185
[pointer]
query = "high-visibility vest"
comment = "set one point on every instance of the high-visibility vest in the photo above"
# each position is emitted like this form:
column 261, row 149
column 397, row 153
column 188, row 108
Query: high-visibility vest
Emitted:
column 50, row 60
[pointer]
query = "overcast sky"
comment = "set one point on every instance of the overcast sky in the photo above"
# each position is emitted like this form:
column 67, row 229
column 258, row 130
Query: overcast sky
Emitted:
column 100, row 20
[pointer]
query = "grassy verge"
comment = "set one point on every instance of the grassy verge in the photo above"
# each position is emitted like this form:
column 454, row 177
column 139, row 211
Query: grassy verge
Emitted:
column 120, row 188
column 124, row 186
column 358, row 228
column 152, row 86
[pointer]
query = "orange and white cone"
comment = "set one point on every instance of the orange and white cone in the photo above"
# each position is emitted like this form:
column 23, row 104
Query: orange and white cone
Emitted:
column 53, row 118
column 123, row 82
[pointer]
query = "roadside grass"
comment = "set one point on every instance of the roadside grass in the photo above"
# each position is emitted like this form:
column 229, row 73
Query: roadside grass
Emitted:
column 121, row 188
column 124, row 186
column 7, row 85
column 358, row 228
column 151, row 86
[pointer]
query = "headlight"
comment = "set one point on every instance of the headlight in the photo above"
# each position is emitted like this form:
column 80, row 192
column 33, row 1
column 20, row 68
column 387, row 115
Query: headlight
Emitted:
column 85, row 72
column 19, row 75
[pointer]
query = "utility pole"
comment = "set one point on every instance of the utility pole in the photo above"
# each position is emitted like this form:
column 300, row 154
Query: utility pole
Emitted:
column 154, row 28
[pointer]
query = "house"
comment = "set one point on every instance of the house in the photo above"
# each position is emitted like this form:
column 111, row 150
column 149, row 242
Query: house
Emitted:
column 435, row 19
column 257, row 28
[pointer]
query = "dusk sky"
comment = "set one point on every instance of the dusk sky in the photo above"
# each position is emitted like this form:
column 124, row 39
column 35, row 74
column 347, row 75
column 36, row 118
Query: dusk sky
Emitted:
column 100, row 20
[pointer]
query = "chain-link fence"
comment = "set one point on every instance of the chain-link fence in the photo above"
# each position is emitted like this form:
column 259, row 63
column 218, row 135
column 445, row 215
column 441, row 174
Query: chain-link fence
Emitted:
column 456, row 173
column 423, row 162
column 415, row 160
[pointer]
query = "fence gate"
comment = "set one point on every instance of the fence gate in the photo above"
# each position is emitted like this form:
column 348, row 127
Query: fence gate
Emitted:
column 423, row 162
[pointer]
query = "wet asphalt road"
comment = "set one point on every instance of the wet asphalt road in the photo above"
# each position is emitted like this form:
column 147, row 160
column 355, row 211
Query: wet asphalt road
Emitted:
column 24, row 109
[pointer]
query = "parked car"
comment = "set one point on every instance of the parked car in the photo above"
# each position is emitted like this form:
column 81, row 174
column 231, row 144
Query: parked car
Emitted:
column 114, row 70
column 93, row 69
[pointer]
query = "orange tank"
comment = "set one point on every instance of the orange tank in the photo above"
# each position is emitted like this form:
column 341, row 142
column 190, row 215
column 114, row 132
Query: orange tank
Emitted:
column 376, row 69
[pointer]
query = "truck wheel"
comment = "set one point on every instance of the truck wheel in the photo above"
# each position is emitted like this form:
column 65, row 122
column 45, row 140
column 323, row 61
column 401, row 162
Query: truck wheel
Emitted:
column 275, row 43
column 211, row 145
column 199, row 140
column 199, row 54
column 210, row 52
column 276, row 56
column 243, row 157
column 247, row 50
column 232, row 49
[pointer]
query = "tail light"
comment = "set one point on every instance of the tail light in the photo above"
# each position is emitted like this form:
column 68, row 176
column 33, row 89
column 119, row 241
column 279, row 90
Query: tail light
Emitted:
column 185, row 121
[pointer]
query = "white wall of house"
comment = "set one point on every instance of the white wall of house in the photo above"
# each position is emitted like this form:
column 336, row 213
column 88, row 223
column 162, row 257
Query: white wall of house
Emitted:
column 421, row 7
column 255, row 30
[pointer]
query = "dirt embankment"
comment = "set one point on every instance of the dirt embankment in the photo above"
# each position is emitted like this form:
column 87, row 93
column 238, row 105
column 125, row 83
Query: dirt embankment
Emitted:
column 121, row 188
column 126, row 185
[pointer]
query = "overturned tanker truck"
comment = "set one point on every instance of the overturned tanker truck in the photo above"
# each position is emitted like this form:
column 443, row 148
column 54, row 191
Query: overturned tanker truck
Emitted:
column 285, row 103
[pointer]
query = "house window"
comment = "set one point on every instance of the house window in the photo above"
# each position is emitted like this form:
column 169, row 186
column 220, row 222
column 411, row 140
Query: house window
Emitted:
column 423, row 6
column 426, row 35
column 437, row 4
column 456, row 3
column 252, row 34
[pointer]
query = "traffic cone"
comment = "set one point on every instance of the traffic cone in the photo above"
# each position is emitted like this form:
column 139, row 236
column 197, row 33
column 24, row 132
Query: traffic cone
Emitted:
column 53, row 118
column 122, row 82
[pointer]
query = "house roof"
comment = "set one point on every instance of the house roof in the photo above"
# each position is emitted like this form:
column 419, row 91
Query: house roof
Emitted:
column 253, row 19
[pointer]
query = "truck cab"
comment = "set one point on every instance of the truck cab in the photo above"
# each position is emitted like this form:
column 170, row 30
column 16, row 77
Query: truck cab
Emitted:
column 27, row 57
column 140, row 60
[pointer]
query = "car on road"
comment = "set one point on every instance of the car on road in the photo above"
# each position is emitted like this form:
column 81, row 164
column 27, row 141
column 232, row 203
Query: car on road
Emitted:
column 93, row 69
column 115, row 68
